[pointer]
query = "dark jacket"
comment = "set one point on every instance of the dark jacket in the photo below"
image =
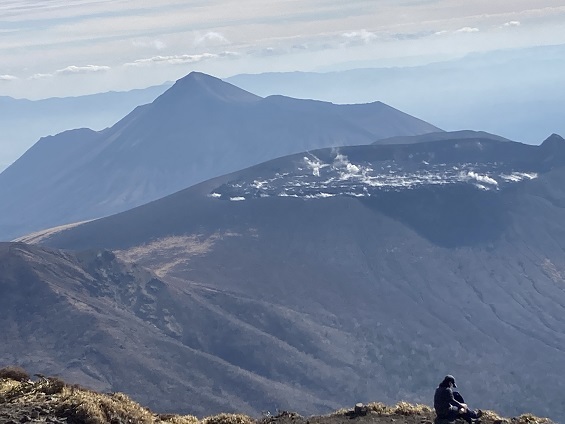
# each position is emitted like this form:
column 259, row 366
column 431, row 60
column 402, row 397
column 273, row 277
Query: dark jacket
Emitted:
column 444, row 402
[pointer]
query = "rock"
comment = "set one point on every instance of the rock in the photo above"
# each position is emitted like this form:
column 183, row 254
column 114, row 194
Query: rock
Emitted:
column 360, row 409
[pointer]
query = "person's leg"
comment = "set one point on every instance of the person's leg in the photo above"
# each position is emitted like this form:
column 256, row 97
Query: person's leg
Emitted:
column 471, row 415
column 453, row 415
column 457, row 396
column 474, row 414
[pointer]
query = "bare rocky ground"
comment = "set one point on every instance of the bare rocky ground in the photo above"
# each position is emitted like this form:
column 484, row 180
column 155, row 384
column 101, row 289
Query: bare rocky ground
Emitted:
column 50, row 400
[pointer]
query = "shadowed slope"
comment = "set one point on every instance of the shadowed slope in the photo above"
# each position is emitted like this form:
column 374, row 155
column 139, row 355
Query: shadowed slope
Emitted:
column 389, row 252
column 93, row 319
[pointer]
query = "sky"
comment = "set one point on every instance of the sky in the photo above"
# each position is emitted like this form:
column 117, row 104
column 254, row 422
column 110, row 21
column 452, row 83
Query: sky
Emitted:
column 73, row 47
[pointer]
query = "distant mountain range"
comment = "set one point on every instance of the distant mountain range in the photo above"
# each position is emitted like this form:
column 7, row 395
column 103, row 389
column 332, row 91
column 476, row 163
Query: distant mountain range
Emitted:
column 23, row 121
column 200, row 128
column 335, row 275
column 507, row 92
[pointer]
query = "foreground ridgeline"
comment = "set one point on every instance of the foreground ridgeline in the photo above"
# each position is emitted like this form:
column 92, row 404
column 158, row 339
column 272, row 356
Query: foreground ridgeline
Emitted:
column 51, row 400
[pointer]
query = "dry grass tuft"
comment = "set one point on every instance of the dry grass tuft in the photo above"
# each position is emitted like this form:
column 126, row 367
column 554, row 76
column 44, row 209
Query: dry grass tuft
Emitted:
column 401, row 408
column 341, row 411
column 14, row 373
column 7, row 386
column 177, row 419
column 379, row 408
column 228, row 419
column 493, row 416
column 79, row 405
column 29, row 391
column 530, row 419
column 405, row 408
column 89, row 407
column 52, row 386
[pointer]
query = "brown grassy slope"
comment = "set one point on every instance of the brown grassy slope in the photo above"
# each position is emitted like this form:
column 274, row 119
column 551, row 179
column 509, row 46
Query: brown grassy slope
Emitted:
column 52, row 400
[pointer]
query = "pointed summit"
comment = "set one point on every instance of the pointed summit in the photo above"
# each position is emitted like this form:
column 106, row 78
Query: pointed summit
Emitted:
column 554, row 140
column 197, row 86
column 202, row 127
column 554, row 143
column 553, row 149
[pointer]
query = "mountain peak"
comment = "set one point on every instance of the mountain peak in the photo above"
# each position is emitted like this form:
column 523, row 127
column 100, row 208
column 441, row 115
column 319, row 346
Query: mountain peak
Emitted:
column 554, row 139
column 200, row 86
column 199, row 78
column 554, row 145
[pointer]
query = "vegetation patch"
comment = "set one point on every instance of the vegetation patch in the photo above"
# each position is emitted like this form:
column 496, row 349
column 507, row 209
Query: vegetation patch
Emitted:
column 530, row 419
column 14, row 373
column 427, row 413
column 177, row 419
column 228, row 419
column 51, row 397
column 85, row 406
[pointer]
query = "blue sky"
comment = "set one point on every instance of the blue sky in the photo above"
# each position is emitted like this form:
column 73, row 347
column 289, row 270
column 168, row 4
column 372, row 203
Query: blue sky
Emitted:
column 73, row 47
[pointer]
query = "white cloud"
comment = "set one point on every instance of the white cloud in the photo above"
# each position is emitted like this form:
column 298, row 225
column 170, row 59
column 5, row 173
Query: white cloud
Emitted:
column 211, row 37
column 229, row 54
column 40, row 76
column 363, row 36
column 174, row 60
column 269, row 51
column 468, row 29
column 155, row 44
column 70, row 70
column 8, row 78
column 39, row 37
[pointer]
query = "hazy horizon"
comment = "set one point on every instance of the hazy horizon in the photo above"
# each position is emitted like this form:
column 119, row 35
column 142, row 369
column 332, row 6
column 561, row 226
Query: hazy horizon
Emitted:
column 500, row 55
column 82, row 47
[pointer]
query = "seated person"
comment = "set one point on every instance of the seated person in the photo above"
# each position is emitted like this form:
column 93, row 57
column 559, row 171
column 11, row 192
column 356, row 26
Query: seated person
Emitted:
column 449, row 405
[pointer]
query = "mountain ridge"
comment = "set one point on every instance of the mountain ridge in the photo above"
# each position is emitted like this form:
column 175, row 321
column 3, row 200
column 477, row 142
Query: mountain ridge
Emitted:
column 25, row 121
column 391, row 263
column 107, row 308
column 548, row 154
column 200, row 128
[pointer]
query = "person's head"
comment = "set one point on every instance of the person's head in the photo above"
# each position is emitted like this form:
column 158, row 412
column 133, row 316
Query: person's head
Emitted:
column 448, row 381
